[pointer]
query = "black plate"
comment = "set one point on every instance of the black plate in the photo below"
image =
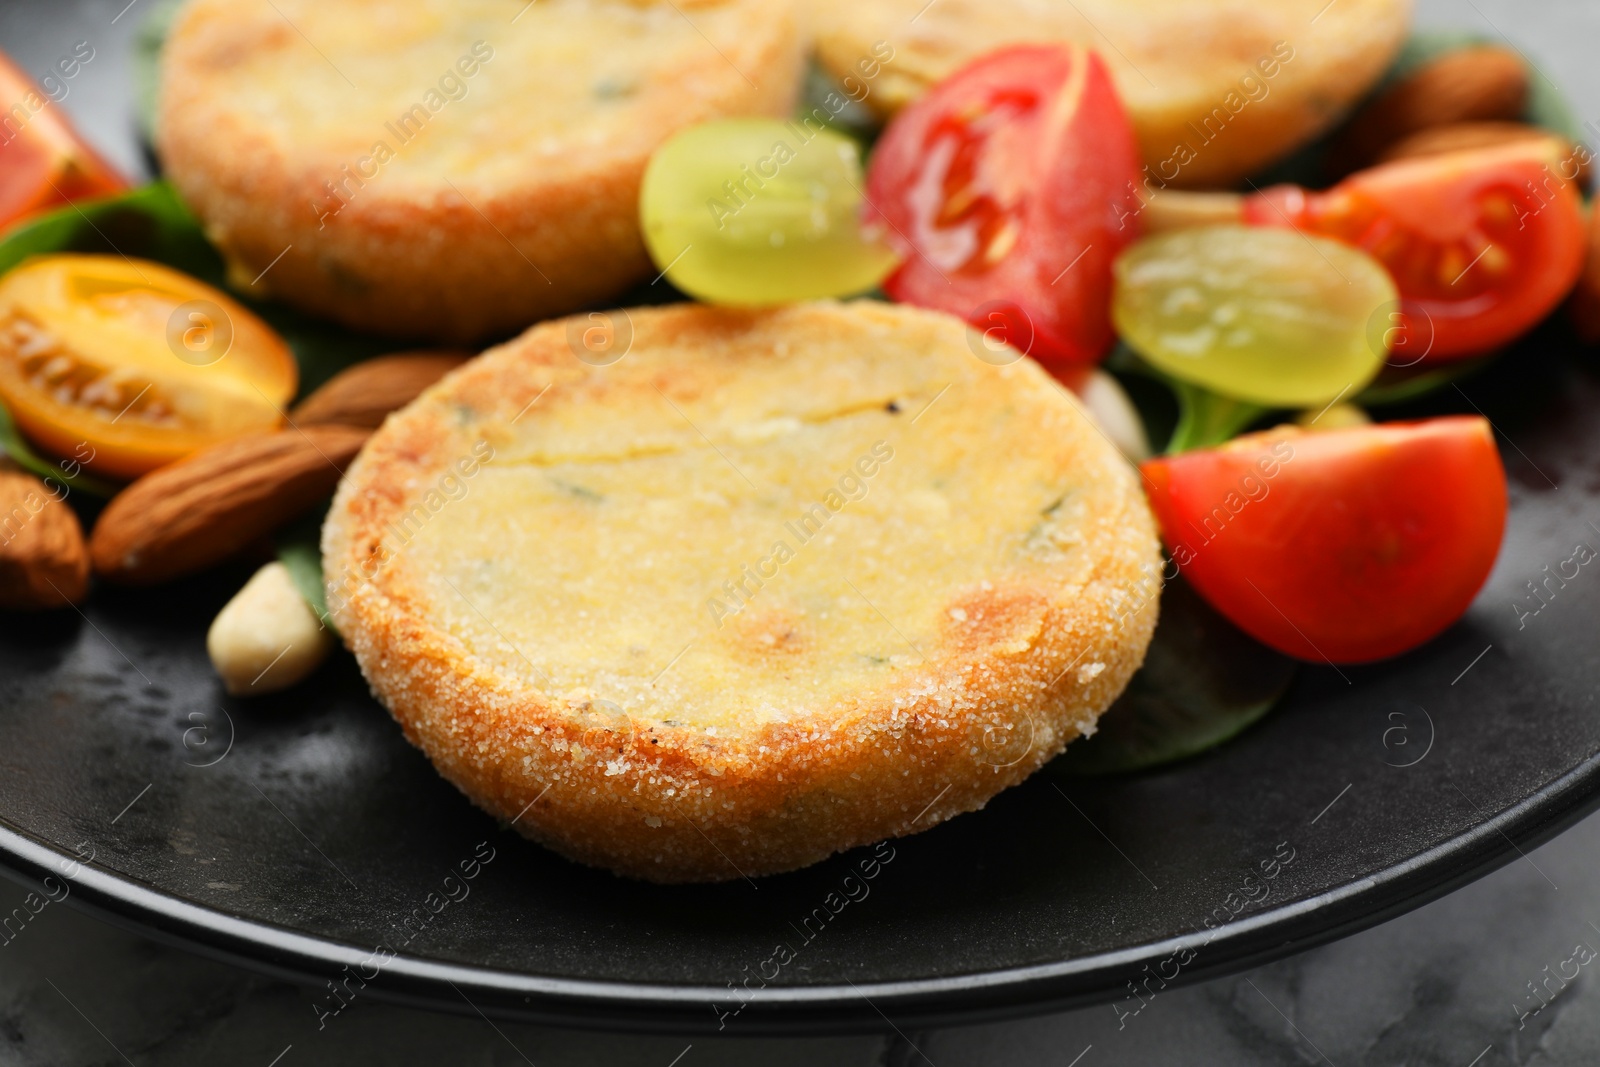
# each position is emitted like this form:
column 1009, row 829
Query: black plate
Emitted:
column 315, row 831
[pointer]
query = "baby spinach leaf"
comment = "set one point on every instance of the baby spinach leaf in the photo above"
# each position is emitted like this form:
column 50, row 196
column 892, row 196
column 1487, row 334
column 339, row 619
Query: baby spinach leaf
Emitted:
column 1204, row 418
column 1203, row 681
column 151, row 222
column 1395, row 385
column 300, row 551
column 13, row 445
column 146, row 60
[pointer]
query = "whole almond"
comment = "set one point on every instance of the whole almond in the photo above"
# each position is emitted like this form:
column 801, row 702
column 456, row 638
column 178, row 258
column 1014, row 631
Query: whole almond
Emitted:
column 363, row 394
column 1465, row 136
column 43, row 560
column 196, row 512
column 1478, row 84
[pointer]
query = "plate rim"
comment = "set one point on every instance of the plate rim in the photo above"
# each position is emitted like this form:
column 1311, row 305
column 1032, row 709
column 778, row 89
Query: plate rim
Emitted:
column 964, row 999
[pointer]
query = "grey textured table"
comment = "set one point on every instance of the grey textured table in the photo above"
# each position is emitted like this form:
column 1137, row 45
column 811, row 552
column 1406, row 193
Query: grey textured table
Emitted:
column 1481, row 978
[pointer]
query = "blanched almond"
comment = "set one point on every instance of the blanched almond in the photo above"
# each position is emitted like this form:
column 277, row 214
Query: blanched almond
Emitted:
column 267, row 637
column 1113, row 411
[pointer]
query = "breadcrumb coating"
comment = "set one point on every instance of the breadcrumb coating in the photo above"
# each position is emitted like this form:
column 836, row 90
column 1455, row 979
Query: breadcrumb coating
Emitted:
column 448, row 169
column 772, row 585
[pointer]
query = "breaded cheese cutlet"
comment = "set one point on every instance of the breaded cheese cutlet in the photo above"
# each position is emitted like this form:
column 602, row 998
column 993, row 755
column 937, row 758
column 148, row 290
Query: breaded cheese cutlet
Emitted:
column 448, row 169
column 771, row 585
column 1216, row 89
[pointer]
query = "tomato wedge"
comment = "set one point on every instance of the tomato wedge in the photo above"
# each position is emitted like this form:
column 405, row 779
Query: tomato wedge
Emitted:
column 1482, row 244
column 127, row 365
column 43, row 161
column 1343, row 546
column 1004, row 188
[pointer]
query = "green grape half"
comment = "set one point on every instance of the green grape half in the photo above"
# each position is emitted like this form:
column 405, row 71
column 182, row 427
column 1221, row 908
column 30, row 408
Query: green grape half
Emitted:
column 759, row 211
column 1262, row 314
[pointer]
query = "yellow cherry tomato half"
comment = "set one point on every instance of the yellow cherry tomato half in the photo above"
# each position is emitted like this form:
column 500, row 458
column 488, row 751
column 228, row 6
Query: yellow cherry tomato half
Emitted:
column 125, row 365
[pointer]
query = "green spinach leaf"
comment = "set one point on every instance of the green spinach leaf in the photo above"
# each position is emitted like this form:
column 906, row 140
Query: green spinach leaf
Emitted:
column 1203, row 681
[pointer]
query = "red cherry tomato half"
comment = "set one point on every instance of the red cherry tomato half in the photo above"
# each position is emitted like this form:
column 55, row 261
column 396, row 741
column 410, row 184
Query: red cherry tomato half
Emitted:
column 1482, row 244
column 1004, row 189
column 1343, row 546
column 43, row 162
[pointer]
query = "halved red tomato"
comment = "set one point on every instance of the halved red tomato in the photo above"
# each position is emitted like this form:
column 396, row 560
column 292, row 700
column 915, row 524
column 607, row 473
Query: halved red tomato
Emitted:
column 43, row 161
column 1343, row 546
column 1004, row 188
column 1482, row 244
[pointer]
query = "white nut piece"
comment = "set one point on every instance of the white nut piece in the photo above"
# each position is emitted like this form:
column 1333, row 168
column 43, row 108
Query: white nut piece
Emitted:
column 267, row 637
column 1109, row 406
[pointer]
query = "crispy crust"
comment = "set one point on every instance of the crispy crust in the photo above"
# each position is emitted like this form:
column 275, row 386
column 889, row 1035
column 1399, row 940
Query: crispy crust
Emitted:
column 1178, row 66
column 1038, row 656
column 432, row 245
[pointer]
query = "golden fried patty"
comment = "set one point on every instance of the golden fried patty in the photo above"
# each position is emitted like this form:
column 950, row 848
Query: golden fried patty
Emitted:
column 771, row 585
column 449, row 169
column 1216, row 89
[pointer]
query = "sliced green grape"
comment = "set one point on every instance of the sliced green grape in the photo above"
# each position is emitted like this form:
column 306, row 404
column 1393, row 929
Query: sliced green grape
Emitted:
column 759, row 211
column 1261, row 314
